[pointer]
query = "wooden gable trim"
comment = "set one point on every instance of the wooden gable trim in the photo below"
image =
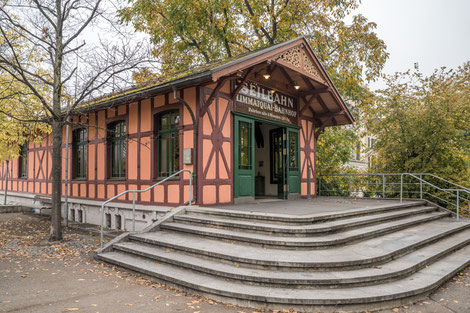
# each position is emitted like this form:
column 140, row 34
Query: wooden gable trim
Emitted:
column 253, row 61
column 295, row 59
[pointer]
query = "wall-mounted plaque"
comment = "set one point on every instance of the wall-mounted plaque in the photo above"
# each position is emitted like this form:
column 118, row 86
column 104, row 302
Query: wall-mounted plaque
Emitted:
column 262, row 101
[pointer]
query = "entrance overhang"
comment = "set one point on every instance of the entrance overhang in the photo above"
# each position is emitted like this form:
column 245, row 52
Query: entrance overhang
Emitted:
column 293, row 69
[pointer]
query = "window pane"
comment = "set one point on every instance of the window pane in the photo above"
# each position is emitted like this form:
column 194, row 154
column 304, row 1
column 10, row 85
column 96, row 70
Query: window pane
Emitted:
column 175, row 150
column 168, row 143
column 79, row 156
column 245, row 146
column 292, row 151
column 118, row 149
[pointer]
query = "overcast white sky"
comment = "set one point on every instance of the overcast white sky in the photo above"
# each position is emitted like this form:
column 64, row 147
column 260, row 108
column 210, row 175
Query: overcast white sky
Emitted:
column 433, row 33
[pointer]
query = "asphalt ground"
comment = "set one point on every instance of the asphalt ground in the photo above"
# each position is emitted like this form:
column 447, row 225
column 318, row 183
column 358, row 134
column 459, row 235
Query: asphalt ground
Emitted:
column 39, row 276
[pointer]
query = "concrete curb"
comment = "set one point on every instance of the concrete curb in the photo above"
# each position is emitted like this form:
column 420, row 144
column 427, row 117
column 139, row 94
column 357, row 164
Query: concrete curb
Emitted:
column 11, row 208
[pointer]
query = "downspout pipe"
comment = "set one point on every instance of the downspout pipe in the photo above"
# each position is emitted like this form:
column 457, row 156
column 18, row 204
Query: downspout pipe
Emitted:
column 193, row 117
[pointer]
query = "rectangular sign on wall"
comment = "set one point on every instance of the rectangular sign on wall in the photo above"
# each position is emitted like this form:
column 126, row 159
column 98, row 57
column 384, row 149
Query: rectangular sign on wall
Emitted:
column 262, row 101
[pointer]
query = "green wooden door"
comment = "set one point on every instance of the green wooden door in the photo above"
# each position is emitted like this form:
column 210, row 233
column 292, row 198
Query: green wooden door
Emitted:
column 244, row 157
column 293, row 162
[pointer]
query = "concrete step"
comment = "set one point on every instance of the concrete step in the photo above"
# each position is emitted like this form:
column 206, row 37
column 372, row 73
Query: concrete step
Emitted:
column 299, row 230
column 361, row 254
column 419, row 283
column 306, row 242
column 307, row 218
column 397, row 268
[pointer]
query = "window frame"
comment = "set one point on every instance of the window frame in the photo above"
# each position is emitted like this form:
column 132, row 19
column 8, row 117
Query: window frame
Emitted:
column 83, row 142
column 111, row 140
column 171, row 129
column 247, row 148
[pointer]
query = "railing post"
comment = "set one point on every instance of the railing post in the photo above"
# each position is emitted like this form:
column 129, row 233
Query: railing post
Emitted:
column 421, row 186
column 133, row 211
column 401, row 188
column 383, row 185
column 458, row 204
column 350, row 185
column 102, row 225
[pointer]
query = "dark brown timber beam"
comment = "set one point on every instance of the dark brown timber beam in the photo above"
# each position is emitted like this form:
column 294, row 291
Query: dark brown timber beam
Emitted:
column 240, row 86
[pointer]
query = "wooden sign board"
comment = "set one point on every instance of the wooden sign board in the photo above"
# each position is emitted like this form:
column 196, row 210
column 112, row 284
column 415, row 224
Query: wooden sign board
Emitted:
column 256, row 99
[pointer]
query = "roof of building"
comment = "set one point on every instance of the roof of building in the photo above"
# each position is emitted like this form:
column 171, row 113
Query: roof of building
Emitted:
column 203, row 73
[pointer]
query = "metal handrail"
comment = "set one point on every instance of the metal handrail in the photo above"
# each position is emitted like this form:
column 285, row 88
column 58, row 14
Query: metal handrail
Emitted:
column 445, row 180
column 397, row 174
column 140, row 191
column 458, row 191
column 454, row 192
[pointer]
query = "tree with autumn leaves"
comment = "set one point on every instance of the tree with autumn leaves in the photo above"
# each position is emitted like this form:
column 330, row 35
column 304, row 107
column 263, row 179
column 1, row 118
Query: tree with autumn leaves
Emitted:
column 422, row 123
column 52, row 66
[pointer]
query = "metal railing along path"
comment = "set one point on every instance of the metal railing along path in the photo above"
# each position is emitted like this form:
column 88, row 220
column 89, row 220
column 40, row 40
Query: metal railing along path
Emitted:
column 386, row 184
column 141, row 191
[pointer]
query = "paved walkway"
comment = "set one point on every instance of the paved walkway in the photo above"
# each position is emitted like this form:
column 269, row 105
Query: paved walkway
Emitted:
column 36, row 276
column 307, row 206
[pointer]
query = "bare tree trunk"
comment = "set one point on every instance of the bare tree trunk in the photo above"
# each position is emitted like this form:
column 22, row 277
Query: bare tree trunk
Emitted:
column 6, row 182
column 56, row 220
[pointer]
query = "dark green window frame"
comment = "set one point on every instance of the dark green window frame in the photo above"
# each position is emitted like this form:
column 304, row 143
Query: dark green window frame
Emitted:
column 117, row 149
column 245, row 145
column 23, row 161
column 79, row 154
column 168, row 143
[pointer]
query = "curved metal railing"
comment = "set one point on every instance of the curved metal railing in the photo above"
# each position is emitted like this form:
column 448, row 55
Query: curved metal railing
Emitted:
column 394, row 185
column 141, row 191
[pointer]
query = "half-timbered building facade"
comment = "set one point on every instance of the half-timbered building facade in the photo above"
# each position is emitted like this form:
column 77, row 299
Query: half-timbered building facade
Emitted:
column 245, row 127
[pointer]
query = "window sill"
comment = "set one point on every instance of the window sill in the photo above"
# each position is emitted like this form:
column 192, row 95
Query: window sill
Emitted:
column 171, row 179
column 117, row 178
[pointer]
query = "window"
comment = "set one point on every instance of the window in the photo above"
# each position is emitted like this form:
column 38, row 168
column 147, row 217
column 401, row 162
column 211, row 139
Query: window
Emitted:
column 358, row 152
column 79, row 153
column 244, row 156
column 168, row 143
column 117, row 149
column 24, row 161
column 293, row 155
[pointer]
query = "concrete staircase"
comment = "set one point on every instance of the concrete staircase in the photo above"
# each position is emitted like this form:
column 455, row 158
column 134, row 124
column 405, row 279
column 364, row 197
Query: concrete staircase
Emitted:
column 361, row 259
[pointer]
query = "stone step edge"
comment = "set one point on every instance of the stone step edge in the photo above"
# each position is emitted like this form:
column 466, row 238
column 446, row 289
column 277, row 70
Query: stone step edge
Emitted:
column 210, row 232
column 343, row 282
column 299, row 229
column 304, row 218
column 346, row 264
column 290, row 301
